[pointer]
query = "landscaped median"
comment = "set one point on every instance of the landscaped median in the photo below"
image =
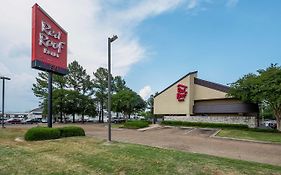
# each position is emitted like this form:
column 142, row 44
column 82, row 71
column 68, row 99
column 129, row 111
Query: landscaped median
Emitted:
column 256, row 135
column 135, row 124
column 234, row 131
column 88, row 155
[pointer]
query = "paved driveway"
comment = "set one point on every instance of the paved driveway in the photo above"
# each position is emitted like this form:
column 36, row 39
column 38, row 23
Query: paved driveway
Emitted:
column 193, row 140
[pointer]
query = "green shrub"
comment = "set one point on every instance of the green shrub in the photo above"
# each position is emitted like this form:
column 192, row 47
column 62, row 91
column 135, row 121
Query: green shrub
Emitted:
column 205, row 125
column 136, row 124
column 70, row 131
column 42, row 133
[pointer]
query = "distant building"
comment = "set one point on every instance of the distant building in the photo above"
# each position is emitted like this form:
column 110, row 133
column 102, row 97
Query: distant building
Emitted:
column 22, row 115
column 196, row 100
column 35, row 113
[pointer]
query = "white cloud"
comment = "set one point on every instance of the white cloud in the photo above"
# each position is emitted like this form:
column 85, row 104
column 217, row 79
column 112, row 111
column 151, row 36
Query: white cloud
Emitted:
column 88, row 23
column 192, row 4
column 145, row 92
column 231, row 3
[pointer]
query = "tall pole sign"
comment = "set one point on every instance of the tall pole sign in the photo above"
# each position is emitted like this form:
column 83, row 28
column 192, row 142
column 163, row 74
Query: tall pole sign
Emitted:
column 49, row 49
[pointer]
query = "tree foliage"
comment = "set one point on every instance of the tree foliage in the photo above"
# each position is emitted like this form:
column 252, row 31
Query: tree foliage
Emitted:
column 77, row 93
column 263, row 87
column 127, row 102
column 101, row 89
column 71, row 93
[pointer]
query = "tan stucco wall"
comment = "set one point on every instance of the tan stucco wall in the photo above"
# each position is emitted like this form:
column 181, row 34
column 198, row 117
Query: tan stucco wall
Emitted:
column 167, row 103
column 191, row 94
column 204, row 93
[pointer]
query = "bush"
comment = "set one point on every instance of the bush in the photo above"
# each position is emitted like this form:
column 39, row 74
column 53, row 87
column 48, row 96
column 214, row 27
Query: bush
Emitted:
column 136, row 124
column 42, row 133
column 70, row 131
column 205, row 125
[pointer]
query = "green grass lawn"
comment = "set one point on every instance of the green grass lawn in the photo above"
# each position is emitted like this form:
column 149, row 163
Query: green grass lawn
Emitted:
column 88, row 155
column 251, row 135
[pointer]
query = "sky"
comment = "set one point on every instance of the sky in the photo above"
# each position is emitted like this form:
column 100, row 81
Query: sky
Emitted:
column 158, row 41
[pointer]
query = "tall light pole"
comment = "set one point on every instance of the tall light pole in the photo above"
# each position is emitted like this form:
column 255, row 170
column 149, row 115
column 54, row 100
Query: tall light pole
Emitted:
column 110, row 40
column 3, row 98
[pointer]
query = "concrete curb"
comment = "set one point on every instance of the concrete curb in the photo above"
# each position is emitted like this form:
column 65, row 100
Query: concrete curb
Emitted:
column 149, row 128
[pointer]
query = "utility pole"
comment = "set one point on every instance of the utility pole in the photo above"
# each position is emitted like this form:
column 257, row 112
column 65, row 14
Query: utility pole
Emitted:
column 110, row 40
column 3, row 99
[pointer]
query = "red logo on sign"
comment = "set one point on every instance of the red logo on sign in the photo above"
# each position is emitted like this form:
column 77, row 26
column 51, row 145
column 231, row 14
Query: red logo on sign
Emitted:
column 49, row 43
column 182, row 92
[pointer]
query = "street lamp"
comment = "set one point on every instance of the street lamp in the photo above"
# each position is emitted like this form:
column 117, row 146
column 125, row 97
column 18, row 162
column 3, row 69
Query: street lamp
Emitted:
column 110, row 40
column 3, row 94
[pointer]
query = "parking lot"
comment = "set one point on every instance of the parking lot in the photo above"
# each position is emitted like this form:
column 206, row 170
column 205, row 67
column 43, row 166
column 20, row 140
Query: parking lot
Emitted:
column 193, row 140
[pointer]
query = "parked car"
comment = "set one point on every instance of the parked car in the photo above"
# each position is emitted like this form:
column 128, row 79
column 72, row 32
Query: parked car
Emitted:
column 270, row 123
column 117, row 120
column 32, row 121
column 13, row 121
column 44, row 120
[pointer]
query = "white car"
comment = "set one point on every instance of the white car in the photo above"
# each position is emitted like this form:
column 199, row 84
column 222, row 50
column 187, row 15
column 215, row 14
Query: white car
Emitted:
column 270, row 123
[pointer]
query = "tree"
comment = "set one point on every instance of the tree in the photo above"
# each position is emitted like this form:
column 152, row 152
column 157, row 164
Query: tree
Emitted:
column 80, row 81
column 100, row 84
column 263, row 87
column 77, row 80
column 127, row 102
column 40, row 88
column 119, row 84
column 150, row 106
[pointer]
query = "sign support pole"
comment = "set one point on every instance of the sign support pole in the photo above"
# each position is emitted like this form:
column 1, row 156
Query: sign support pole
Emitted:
column 50, row 94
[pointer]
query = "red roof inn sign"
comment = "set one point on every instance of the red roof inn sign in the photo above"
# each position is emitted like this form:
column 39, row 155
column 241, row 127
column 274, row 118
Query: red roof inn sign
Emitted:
column 181, row 92
column 49, row 43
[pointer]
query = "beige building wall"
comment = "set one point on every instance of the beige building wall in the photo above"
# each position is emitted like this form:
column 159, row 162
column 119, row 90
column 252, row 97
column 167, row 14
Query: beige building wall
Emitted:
column 167, row 103
column 204, row 93
column 191, row 93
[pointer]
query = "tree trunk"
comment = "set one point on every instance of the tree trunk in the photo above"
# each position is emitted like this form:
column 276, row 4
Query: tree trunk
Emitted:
column 73, row 119
column 100, row 109
column 102, row 113
column 99, row 115
column 278, row 119
column 83, row 118
column 60, row 116
column 154, row 120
